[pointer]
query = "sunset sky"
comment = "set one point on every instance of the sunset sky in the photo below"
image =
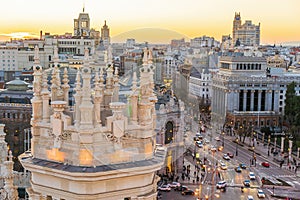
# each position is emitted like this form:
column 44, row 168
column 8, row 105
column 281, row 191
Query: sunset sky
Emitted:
column 280, row 20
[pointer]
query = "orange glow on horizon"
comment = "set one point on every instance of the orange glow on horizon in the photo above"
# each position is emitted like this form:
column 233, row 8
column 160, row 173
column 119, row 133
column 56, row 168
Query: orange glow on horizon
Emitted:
column 55, row 155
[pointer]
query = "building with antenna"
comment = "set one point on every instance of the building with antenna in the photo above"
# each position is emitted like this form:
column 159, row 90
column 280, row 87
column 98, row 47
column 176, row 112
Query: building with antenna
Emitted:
column 82, row 24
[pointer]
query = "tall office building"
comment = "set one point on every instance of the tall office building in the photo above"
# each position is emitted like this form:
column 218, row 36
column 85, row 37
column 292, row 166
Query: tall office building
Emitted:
column 82, row 25
column 93, row 150
column 105, row 37
column 247, row 34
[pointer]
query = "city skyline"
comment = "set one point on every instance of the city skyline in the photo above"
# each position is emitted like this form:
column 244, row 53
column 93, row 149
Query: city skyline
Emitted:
column 189, row 18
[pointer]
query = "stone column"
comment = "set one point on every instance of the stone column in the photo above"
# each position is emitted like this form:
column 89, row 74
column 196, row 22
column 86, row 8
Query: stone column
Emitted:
column 298, row 152
column 259, row 101
column 276, row 101
column 290, row 149
column 252, row 100
column 266, row 100
column 275, row 142
column 270, row 100
column 282, row 144
column 244, row 100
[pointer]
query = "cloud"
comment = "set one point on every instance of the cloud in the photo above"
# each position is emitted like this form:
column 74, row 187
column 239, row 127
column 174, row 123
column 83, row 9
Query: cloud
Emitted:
column 17, row 35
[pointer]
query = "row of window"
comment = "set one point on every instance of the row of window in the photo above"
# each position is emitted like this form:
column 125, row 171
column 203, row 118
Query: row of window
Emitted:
column 68, row 42
column 3, row 52
column 248, row 66
column 8, row 60
column 16, row 115
column 8, row 56
column 8, row 65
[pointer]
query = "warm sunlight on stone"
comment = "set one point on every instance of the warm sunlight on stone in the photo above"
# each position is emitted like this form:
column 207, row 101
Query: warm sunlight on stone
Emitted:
column 55, row 155
column 85, row 157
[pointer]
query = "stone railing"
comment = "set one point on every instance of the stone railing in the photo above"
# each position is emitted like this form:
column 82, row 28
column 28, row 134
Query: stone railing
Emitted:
column 15, row 105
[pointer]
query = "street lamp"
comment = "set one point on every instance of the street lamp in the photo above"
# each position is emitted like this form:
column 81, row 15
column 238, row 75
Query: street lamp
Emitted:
column 236, row 147
column 269, row 140
column 223, row 138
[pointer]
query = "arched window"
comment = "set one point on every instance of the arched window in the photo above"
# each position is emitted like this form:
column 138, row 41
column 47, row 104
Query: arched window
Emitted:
column 169, row 134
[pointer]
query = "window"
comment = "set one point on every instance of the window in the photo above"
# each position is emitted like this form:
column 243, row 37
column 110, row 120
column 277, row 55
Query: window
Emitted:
column 31, row 58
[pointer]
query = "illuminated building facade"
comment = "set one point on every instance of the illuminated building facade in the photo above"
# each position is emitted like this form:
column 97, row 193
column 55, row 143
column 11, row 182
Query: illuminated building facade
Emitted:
column 246, row 34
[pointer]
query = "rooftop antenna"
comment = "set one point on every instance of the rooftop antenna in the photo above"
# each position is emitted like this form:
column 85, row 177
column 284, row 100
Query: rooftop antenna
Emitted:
column 83, row 7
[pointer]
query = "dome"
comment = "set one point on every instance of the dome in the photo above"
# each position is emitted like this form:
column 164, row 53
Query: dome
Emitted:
column 17, row 85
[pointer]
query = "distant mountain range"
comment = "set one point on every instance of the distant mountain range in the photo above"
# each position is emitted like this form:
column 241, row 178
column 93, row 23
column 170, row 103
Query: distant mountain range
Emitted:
column 292, row 43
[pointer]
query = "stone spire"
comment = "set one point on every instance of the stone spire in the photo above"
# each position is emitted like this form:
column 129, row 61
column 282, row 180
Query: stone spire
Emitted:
column 134, row 99
column 56, row 92
column 55, row 56
column 116, row 86
column 86, row 107
column 6, row 164
column 36, row 55
column 145, row 57
column 45, row 96
column 109, row 55
column 37, row 87
column 97, row 99
column 77, row 97
column 145, row 105
column 66, row 87
column 3, row 145
column 150, row 57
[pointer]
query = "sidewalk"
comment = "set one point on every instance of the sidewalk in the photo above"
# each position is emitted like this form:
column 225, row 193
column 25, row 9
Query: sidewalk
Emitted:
column 262, row 151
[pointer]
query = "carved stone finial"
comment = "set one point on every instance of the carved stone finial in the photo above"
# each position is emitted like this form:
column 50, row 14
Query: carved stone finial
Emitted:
column 36, row 55
column 150, row 57
column 145, row 58
column 55, row 56
column 65, row 77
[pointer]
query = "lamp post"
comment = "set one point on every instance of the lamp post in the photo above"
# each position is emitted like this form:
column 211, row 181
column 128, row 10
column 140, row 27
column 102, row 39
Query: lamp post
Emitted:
column 236, row 147
column 223, row 138
column 269, row 140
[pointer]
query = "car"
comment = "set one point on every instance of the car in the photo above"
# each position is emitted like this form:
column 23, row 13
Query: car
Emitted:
column 230, row 155
column 206, row 141
column 243, row 166
column 226, row 157
column 221, row 184
column 249, row 197
column 181, row 188
column 199, row 135
column 188, row 192
column 238, row 169
column 265, row 164
column 196, row 139
column 251, row 176
column 217, row 138
column 199, row 144
column 165, row 188
column 246, row 183
column 260, row 193
column 174, row 184
column 223, row 166
column 213, row 149
column 220, row 148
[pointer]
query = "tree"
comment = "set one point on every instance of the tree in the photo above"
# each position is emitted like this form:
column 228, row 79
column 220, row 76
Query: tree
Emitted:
column 292, row 110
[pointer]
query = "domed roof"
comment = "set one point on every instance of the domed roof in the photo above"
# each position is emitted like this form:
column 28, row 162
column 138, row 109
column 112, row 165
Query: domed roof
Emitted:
column 17, row 85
